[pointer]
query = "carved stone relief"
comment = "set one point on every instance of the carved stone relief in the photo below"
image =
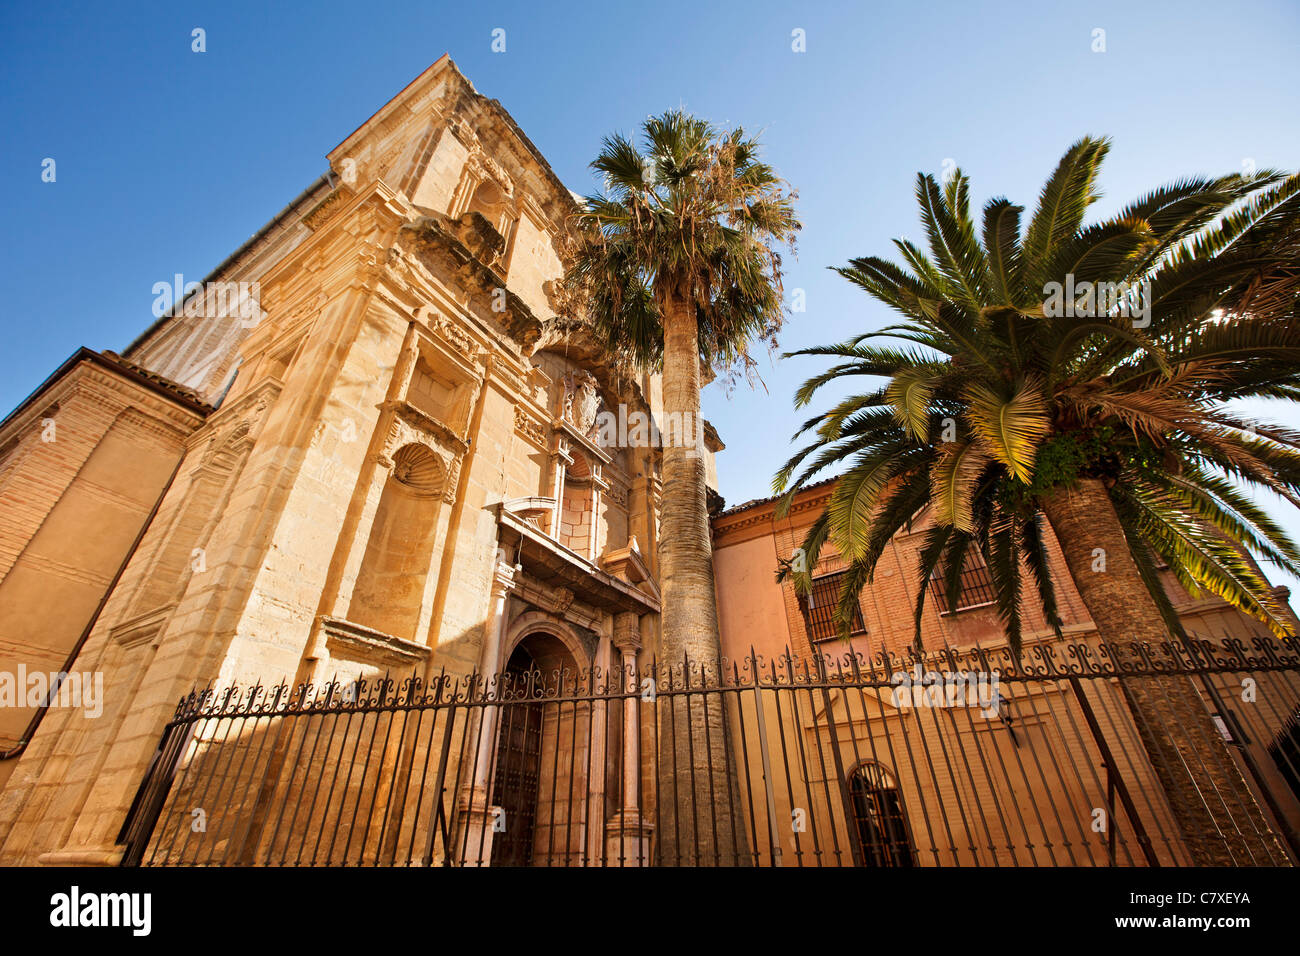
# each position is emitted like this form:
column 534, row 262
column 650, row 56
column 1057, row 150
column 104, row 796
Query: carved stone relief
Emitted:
column 528, row 427
column 580, row 402
column 405, row 431
column 455, row 336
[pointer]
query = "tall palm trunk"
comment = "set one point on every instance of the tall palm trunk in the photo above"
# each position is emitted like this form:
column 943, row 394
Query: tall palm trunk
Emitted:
column 1215, row 811
column 699, row 813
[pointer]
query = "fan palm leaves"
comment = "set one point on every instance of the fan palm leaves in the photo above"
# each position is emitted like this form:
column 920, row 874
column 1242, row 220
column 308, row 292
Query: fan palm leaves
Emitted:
column 675, row 266
column 692, row 215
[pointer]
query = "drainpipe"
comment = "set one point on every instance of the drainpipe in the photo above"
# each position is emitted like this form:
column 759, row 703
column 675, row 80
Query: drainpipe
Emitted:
column 18, row 748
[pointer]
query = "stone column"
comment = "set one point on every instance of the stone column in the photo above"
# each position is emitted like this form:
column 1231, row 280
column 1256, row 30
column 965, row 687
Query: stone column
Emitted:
column 593, row 518
column 404, row 368
column 477, row 817
column 627, row 835
column 558, row 469
column 598, row 757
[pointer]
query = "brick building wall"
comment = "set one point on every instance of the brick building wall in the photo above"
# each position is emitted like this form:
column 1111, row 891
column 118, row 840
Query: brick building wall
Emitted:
column 82, row 465
column 750, row 541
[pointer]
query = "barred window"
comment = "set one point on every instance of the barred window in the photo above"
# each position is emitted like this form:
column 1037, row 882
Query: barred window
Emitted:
column 820, row 606
column 976, row 585
column 1285, row 751
column 877, row 810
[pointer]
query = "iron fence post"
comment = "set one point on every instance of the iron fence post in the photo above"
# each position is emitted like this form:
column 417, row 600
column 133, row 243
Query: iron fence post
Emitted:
column 1139, row 829
column 767, row 773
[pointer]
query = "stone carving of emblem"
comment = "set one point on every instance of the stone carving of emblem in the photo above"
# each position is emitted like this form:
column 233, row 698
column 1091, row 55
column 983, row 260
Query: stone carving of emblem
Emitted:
column 563, row 600
column 581, row 402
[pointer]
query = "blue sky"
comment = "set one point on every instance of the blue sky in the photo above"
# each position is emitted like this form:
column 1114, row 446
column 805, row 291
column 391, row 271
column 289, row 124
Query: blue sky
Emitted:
column 168, row 159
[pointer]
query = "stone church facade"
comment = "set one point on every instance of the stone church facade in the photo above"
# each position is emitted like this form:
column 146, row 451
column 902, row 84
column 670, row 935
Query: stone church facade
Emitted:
column 361, row 449
column 383, row 464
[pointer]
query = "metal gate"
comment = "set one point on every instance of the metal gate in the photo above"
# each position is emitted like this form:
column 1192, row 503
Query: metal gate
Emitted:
column 1076, row 754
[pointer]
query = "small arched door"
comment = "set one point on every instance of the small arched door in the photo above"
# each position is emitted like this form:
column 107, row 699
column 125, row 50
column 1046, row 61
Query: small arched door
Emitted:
column 877, row 810
column 518, row 769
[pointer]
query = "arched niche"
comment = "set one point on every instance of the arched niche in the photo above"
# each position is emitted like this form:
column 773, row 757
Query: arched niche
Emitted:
column 390, row 584
column 489, row 200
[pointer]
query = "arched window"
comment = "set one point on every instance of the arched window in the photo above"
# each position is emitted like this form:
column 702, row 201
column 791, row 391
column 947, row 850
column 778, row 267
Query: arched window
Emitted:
column 877, row 810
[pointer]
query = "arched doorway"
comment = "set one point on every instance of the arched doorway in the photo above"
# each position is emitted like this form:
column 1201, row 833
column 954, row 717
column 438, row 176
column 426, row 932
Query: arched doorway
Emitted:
column 518, row 765
column 532, row 724
column 878, row 815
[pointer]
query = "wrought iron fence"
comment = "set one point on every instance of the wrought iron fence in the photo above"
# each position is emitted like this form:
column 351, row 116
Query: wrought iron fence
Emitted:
column 954, row 758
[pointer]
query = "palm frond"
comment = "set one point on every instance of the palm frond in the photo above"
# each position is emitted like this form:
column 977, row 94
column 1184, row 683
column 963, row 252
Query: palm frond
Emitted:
column 1011, row 429
column 1062, row 205
column 952, row 482
column 909, row 394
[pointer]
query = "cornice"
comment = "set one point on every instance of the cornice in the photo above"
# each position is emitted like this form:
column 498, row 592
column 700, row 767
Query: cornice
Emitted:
column 114, row 387
column 426, row 422
column 433, row 240
column 375, row 208
column 368, row 645
column 735, row 525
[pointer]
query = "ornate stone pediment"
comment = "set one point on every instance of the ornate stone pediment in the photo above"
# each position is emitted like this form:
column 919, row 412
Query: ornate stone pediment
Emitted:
column 408, row 426
column 479, row 162
column 536, row 510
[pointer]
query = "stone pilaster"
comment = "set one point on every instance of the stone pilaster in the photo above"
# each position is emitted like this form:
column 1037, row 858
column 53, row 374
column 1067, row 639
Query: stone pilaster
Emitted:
column 477, row 817
column 627, row 834
column 598, row 757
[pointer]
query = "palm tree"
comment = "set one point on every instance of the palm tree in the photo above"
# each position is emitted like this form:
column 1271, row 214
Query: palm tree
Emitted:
column 678, row 266
column 1081, row 375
